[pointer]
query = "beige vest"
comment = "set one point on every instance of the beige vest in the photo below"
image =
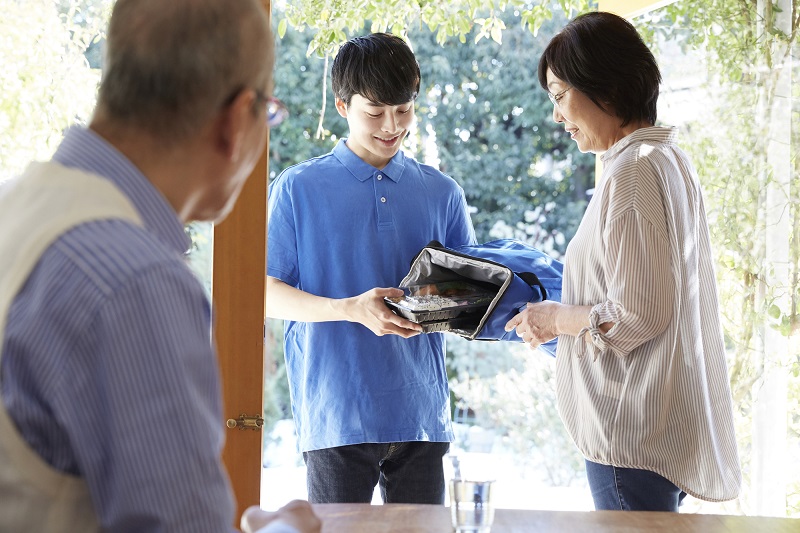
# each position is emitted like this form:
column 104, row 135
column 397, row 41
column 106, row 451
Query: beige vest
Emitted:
column 35, row 210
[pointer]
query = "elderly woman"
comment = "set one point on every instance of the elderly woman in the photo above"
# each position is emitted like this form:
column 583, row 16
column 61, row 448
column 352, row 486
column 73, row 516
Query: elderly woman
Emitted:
column 641, row 379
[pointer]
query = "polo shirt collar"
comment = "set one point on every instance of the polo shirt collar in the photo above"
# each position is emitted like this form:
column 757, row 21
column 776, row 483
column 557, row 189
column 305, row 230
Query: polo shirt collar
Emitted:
column 361, row 170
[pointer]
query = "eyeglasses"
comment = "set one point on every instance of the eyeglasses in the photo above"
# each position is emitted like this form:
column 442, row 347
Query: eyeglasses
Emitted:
column 556, row 98
column 275, row 110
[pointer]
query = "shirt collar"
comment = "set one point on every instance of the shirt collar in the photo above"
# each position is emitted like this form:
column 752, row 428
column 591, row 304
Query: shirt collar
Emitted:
column 361, row 170
column 653, row 134
column 83, row 149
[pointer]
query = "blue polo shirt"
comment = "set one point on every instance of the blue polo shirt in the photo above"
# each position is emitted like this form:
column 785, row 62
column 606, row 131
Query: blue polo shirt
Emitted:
column 339, row 227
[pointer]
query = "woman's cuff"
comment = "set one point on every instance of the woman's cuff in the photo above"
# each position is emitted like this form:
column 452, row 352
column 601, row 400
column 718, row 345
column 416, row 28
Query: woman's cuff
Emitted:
column 598, row 344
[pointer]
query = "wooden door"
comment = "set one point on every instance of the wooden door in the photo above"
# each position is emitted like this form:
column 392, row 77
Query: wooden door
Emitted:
column 238, row 289
column 238, row 293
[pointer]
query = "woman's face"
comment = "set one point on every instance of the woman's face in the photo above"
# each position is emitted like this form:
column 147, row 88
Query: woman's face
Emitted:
column 594, row 129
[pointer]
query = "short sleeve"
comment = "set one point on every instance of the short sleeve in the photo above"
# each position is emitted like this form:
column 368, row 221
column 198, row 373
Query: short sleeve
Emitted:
column 282, row 261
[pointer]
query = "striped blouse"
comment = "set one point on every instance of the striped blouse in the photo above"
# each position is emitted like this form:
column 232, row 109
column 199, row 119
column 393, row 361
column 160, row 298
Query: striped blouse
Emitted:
column 653, row 392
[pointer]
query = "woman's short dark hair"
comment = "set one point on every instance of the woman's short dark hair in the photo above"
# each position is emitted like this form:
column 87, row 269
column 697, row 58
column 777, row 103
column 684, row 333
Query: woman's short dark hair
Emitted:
column 380, row 67
column 603, row 56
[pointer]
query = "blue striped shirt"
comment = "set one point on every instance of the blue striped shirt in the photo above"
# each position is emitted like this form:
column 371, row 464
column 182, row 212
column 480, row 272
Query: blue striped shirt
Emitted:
column 108, row 368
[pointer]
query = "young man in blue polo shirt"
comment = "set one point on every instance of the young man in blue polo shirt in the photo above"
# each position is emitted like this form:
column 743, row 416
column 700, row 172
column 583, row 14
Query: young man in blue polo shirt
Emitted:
column 369, row 393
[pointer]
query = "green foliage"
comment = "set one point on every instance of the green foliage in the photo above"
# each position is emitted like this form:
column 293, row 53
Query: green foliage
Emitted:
column 201, row 252
column 729, row 142
column 493, row 130
column 331, row 21
column 741, row 40
column 511, row 389
column 276, row 385
column 793, row 490
column 51, row 61
column 482, row 107
column 734, row 201
column 47, row 83
column 298, row 80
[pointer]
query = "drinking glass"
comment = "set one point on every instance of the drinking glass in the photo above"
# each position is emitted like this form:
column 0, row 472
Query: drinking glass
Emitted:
column 470, row 486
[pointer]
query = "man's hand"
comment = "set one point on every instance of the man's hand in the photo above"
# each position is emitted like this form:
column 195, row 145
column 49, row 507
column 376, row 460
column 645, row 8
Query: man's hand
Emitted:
column 296, row 513
column 370, row 309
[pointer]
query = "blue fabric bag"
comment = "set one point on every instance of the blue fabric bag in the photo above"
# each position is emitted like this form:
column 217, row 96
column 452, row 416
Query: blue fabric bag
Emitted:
column 520, row 272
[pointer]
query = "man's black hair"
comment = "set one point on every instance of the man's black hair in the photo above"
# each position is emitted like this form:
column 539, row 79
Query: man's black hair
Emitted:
column 380, row 67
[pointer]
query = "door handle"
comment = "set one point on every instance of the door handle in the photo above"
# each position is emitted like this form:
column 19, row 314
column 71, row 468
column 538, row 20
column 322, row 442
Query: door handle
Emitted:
column 254, row 422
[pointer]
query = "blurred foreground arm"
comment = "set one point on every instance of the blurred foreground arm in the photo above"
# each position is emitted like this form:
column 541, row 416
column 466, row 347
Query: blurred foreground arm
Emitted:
column 294, row 517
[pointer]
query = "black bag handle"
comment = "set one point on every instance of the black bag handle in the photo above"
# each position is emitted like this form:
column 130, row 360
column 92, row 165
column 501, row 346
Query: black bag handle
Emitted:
column 533, row 280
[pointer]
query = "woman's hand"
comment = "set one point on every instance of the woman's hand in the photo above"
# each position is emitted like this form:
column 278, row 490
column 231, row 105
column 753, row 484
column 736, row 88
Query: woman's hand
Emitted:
column 537, row 323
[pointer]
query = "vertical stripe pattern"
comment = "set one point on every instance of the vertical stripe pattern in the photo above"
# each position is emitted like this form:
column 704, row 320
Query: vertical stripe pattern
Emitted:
column 653, row 392
column 108, row 368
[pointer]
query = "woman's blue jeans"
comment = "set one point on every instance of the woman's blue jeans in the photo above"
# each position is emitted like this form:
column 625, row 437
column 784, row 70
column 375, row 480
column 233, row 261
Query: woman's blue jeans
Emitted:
column 408, row 472
column 631, row 489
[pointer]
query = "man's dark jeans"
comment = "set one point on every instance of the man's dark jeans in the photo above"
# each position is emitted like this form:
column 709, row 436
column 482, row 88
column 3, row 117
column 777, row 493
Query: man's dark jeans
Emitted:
column 408, row 472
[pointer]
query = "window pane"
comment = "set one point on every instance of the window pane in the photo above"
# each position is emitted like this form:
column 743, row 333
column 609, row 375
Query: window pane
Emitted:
column 201, row 254
column 735, row 101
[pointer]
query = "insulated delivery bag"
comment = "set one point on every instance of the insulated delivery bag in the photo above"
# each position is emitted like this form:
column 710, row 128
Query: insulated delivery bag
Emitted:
column 474, row 290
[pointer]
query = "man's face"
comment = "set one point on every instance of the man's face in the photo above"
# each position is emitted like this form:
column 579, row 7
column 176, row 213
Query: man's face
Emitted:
column 376, row 130
column 253, row 142
column 240, row 136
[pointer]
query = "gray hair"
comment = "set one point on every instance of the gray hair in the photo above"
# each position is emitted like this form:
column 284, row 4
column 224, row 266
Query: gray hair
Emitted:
column 170, row 66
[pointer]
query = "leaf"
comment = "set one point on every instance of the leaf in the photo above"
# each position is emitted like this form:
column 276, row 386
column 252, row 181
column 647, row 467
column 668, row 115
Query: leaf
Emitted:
column 497, row 35
column 282, row 28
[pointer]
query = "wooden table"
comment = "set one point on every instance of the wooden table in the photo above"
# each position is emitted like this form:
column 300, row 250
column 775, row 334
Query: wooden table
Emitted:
column 365, row 518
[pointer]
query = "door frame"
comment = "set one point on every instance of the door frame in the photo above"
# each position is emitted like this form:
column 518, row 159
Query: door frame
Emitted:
column 239, row 285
